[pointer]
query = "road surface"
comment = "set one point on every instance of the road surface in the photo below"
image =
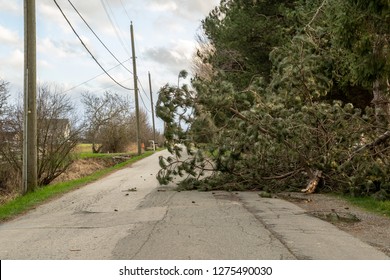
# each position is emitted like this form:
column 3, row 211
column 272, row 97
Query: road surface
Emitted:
column 107, row 220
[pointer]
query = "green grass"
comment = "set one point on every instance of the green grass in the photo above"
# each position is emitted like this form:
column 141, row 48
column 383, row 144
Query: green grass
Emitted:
column 29, row 201
column 99, row 155
column 370, row 204
column 83, row 151
column 83, row 148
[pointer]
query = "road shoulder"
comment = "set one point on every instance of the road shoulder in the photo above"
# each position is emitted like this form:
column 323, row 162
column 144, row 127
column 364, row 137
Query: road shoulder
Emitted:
column 371, row 228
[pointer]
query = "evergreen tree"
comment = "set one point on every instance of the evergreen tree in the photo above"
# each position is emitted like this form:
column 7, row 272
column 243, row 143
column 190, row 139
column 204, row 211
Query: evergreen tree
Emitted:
column 243, row 33
column 266, row 116
column 362, row 29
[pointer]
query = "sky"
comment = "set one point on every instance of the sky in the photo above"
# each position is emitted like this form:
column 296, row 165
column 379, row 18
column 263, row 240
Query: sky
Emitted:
column 165, row 32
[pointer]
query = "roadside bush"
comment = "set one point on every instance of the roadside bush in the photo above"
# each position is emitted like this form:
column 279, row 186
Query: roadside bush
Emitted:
column 10, row 183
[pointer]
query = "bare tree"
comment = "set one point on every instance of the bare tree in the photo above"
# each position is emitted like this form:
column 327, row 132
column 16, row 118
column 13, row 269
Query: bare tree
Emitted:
column 146, row 129
column 105, row 119
column 4, row 169
column 3, row 103
column 111, row 123
column 200, row 60
column 58, row 134
column 3, row 95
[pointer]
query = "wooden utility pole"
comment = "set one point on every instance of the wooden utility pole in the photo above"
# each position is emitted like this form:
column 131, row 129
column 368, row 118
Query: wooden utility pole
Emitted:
column 139, row 151
column 30, row 93
column 152, row 105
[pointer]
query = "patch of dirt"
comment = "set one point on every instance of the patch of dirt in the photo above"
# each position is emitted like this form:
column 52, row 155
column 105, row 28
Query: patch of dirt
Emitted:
column 84, row 167
column 6, row 196
column 78, row 169
column 371, row 228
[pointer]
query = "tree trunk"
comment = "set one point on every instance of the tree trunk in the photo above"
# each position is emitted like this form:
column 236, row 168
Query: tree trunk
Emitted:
column 314, row 182
column 381, row 101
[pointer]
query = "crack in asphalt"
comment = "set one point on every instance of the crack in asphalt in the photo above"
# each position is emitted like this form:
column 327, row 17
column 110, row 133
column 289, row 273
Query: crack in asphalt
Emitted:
column 273, row 233
column 153, row 228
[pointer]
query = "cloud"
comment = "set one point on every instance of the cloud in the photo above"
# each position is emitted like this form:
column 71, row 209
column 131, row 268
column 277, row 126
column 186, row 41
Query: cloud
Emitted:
column 168, row 24
column 60, row 48
column 12, row 65
column 10, row 6
column 16, row 58
column 163, row 6
column 92, row 11
column 159, row 24
column 8, row 37
column 191, row 10
column 175, row 57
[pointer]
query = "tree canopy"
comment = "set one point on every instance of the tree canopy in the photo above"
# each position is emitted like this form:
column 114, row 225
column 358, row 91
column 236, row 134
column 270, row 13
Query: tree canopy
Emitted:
column 295, row 92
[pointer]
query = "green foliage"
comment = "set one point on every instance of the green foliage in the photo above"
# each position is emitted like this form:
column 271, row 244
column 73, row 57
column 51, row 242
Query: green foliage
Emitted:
column 240, row 32
column 288, row 124
column 362, row 29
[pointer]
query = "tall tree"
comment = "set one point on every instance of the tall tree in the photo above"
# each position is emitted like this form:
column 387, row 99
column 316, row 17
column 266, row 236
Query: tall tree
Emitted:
column 362, row 29
column 243, row 34
column 284, row 127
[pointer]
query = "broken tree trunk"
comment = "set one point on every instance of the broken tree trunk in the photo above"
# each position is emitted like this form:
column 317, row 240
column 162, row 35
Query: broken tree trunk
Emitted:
column 313, row 183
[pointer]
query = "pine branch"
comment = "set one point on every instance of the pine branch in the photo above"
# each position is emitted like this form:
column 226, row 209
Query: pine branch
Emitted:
column 283, row 176
column 381, row 139
column 316, row 14
column 242, row 117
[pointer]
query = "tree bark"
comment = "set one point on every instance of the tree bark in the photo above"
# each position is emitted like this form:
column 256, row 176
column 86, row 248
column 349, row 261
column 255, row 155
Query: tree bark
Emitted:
column 313, row 183
column 381, row 101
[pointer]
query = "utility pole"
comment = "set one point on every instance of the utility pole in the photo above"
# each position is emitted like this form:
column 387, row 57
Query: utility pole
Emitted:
column 30, row 94
column 135, row 90
column 152, row 105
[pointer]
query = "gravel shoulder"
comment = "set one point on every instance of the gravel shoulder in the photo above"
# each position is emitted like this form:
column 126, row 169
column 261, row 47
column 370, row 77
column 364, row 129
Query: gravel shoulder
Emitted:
column 371, row 228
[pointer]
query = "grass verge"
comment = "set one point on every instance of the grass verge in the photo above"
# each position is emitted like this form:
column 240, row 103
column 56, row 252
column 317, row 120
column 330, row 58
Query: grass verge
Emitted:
column 29, row 201
column 99, row 155
column 370, row 204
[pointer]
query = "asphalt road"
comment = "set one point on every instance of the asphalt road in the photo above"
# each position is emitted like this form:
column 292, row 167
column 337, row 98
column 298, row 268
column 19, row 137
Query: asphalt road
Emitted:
column 106, row 220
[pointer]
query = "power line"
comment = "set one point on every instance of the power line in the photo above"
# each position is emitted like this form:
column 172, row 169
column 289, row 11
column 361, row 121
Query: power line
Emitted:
column 82, row 42
column 97, row 76
column 114, row 26
column 94, row 33
column 142, row 100
column 143, row 90
column 106, row 88
column 141, row 62
column 124, row 8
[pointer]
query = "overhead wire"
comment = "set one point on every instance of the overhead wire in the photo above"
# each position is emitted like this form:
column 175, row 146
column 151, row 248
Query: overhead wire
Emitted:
column 143, row 90
column 105, row 46
column 139, row 81
column 97, row 76
column 114, row 26
column 97, row 37
column 103, row 89
column 86, row 48
column 147, row 95
column 143, row 102
column 124, row 8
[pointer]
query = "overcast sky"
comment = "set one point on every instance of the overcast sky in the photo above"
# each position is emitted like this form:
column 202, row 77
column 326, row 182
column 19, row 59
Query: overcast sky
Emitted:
column 165, row 33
